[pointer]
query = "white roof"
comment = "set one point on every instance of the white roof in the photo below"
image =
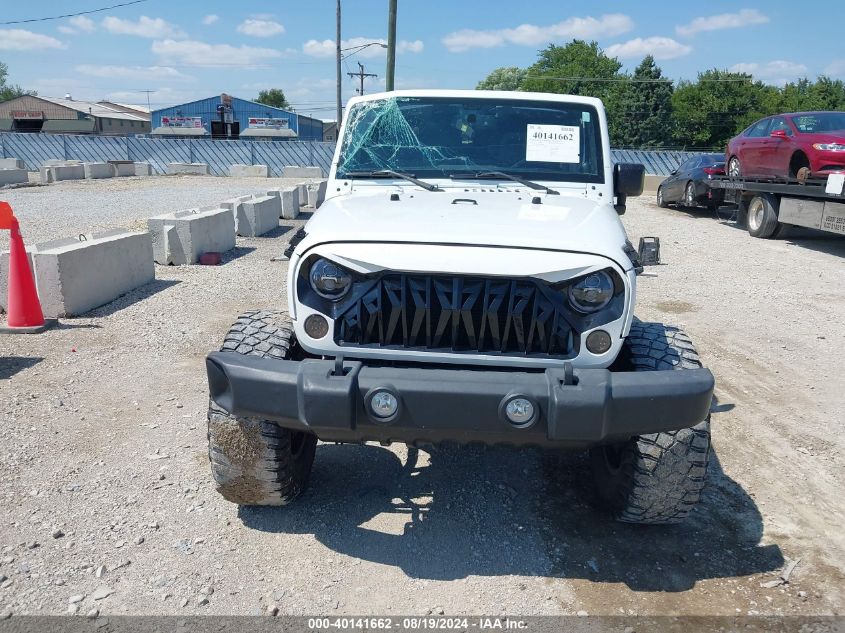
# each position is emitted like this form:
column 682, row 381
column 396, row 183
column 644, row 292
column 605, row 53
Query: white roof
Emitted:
column 179, row 131
column 94, row 109
column 481, row 94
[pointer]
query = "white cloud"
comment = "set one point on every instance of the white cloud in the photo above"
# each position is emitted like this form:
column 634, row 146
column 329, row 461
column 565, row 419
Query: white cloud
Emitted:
column 210, row 19
column 260, row 28
column 161, row 97
column 326, row 48
column 658, row 47
column 153, row 28
column 532, row 35
column 194, row 53
column 23, row 40
column 745, row 17
column 78, row 24
column 776, row 72
column 836, row 68
column 132, row 72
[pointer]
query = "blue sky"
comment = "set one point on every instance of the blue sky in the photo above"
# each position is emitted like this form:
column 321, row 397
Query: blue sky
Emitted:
column 187, row 50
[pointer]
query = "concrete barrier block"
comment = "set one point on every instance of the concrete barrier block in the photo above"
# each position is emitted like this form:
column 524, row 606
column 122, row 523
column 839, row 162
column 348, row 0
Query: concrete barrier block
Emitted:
column 4, row 276
column 200, row 169
column 75, row 276
column 12, row 176
column 122, row 168
column 317, row 193
column 180, row 238
column 249, row 171
column 11, row 163
column 99, row 170
column 291, row 171
column 290, row 202
column 236, row 205
column 53, row 170
column 258, row 216
column 302, row 188
column 652, row 182
column 143, row 169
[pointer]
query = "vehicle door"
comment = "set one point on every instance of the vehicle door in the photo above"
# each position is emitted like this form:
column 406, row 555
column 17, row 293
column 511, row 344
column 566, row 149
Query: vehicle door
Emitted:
column 778, row 148
column 753, row 147
column 673, row 187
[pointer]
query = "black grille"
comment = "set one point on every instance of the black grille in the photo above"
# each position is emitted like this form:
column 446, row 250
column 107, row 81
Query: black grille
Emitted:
column 457, row 314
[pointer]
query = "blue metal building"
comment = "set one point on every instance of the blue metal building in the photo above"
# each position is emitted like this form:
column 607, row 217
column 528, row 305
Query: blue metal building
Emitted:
column 306, row 129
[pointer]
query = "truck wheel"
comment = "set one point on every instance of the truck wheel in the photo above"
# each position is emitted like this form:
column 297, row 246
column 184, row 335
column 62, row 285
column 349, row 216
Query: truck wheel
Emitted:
column 257, row 462
column 762, row 218
column 655, row 478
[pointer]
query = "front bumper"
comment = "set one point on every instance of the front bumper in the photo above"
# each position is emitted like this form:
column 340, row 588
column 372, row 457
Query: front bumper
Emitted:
column 578, row 408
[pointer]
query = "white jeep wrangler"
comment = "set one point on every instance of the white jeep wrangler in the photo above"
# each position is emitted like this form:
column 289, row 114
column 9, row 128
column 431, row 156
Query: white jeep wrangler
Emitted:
column 466, row 280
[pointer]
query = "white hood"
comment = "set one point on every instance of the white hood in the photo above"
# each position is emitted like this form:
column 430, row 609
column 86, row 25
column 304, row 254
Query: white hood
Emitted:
column 499, row 216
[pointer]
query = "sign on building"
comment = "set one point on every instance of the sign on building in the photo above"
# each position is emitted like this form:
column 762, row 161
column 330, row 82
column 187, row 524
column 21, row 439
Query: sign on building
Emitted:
column 181, row 121
column 30, row 115
column 272, row 124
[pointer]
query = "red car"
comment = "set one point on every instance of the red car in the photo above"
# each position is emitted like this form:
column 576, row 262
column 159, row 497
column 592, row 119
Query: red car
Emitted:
column 789, row 146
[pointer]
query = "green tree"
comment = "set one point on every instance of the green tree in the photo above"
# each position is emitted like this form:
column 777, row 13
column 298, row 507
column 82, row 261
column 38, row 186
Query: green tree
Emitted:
column 645, row 110
column 579, row 68
column 8, row 91
column 504, row 78
column 273, row 97
column 711, row 110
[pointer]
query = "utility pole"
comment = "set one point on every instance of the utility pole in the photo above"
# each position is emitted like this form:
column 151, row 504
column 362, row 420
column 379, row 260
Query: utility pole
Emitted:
column 391, row 45
column 361, row 74
column 338, row 70
column 148, row 97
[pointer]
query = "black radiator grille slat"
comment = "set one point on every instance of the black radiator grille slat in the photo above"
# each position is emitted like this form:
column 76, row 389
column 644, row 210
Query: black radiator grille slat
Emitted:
column 440, row 313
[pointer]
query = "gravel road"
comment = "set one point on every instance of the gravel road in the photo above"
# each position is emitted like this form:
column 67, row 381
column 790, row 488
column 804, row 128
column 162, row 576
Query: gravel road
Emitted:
column 106, row 500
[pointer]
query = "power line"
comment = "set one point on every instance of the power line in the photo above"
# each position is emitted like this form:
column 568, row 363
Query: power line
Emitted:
column 73, row 15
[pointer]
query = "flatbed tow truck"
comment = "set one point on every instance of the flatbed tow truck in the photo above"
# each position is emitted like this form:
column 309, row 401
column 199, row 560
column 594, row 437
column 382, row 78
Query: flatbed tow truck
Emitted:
column 771, row 206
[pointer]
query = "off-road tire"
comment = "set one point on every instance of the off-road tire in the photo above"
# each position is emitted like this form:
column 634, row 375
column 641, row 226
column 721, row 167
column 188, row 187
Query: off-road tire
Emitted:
column 253, row 461
column 655, row 478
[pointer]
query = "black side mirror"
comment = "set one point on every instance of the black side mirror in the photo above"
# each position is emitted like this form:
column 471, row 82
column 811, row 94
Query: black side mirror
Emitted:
column 628, row 180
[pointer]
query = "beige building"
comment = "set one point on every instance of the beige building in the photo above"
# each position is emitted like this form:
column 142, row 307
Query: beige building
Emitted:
column 65, row 115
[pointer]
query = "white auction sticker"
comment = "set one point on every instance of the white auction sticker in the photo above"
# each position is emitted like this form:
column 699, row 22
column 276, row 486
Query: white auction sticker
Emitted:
column 553, row 144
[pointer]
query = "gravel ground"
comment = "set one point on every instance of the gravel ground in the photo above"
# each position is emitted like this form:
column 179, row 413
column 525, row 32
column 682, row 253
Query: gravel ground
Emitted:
column 106, row 500
column 66, row 209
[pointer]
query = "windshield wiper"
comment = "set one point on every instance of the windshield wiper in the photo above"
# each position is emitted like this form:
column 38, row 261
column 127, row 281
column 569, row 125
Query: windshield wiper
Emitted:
column 491, row 175
column 387, row 173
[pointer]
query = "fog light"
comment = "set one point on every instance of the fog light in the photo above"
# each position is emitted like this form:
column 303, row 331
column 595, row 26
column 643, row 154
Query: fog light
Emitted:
column 519, row 411
column 384, row 404
column 598, row 342
column 316, row 326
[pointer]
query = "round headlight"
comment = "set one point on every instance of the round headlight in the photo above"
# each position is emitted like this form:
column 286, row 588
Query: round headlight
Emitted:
column 592, row 293
column 329, row 280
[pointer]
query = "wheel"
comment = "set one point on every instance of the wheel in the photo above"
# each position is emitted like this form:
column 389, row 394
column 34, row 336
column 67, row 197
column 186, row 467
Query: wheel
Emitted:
column 655, row 478
column 734, row 167
column 661, row 202
column 799, row 167
column 762, row 217
column 689, row 195
column 257, row 462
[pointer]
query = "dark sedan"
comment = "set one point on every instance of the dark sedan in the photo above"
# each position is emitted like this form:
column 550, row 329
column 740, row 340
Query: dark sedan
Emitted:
column 687, row 185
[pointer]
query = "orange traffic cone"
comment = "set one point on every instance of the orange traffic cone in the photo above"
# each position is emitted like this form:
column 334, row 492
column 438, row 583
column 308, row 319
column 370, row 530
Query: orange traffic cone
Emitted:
column 23, row 307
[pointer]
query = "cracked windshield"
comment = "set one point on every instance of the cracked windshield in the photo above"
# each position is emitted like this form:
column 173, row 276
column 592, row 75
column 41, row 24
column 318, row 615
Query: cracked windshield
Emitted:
column 439, row 137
